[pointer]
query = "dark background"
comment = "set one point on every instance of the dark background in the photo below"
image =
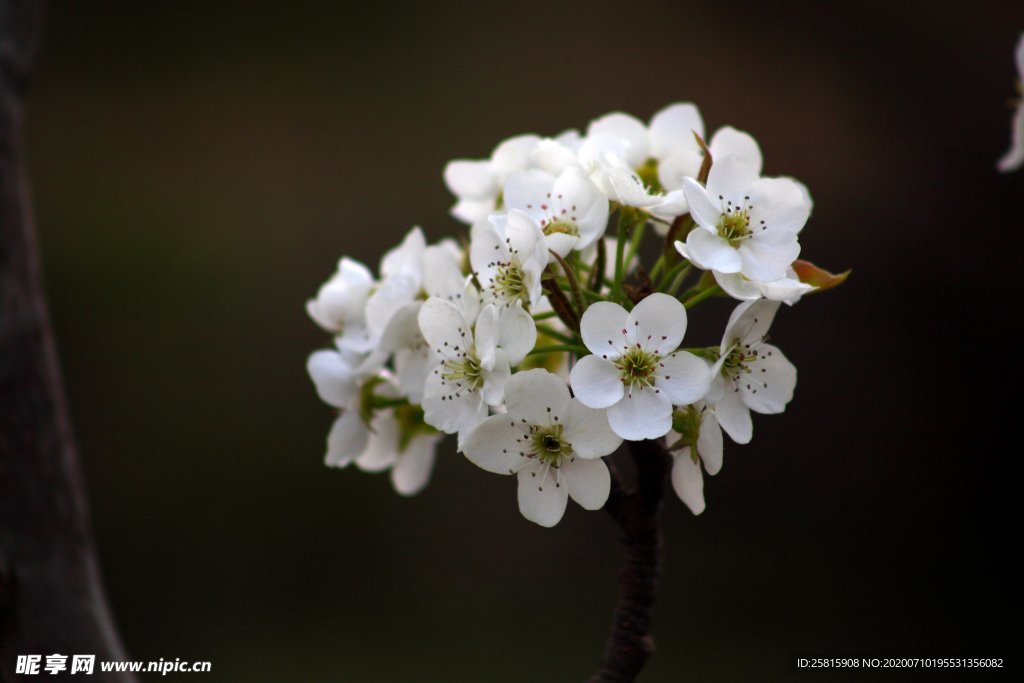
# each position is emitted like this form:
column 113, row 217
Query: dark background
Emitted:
column 199, row 168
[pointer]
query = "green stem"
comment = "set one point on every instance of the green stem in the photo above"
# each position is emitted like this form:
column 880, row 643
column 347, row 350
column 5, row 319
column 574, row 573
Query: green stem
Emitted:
column 681, row 267
column 700, row 296
column 634, row 243
column 545, row 315
column 549, row 331
column 555, row 348
column 620, row 249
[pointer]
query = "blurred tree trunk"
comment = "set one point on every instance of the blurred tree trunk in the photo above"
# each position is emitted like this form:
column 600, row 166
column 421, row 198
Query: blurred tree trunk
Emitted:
column 51, row 597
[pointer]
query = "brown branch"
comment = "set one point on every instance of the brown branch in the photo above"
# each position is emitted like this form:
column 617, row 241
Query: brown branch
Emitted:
column 636, row 512
column 51, row 598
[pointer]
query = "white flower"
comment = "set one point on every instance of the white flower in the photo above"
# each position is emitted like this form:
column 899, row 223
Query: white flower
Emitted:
column 393, row 438
column 478, row 183
column 687, row 479
column 750, row 373
column 602, row 157
column 685, row 158
column 434, row 273
column 396, row 440
column 1014, row 157
column 552, row 442
column 339, row 306
column 788, row 289
column 569, row 209
column 636, row 371
column 508, row 255
column 472, row 371
column 745, row 224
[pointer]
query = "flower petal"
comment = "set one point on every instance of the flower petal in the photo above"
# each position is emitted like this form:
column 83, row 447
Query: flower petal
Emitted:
column 517, row 332
column 334, row 378
column 589, row 482
column 627, row 128
column 411, row 473
column 766, row 263
column 713, row 252
column 683, row 377
column 657, row 323
column 470, row 179
column 346, row 440
column 447, row 411
column 709, row 442
column 641, row 414
column 769, row 387
column 734, row 416
column 588, row 431
column 688, row 482
column 727, row 140
column 781, row 203
column 444, row 328
column 537, row 396
column 749, row 322
column 542, row 499
column 673, row 127
column 382, row 447
column 496, row 445
column 730, row 179
column 603, row 328
column 706, row 210
column 596, row 382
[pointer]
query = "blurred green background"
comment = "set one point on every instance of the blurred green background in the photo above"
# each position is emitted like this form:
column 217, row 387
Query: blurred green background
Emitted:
column 198, row 169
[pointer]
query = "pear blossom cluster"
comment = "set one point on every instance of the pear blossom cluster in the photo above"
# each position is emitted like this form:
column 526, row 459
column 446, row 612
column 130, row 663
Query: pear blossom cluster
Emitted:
column 553, row 329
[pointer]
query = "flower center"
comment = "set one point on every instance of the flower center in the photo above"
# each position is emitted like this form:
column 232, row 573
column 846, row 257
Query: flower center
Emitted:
column 561, row 227
column 465, row 372
column 734, row 225
column 648, row 173
column 549, row 446
column 636, row 367
column 509, row 283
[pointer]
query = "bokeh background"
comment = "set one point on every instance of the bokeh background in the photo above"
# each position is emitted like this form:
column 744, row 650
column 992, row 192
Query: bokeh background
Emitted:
column 199, row 168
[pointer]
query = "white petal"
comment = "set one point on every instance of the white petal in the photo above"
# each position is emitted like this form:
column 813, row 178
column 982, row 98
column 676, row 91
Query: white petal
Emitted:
column 382, row 448
column 444, row 328
column 672, row 205
column 334, row 378
column 552, row 156
column 412, row 366
column 713, row 252
column 470, row 179
column 770, row 384
column 749, row 322
column 526, row 190
column 641, row 414
column 542, row 499
column 603, row 328
column 537, row 396
column 734, row 416
column 730, row 179
column 395, row 293
column 411, row 473
column 496, row 445
column 683, row 377
column 589, row 482
column 674, row 169
column 487, row 335
column 688, row 481
column 709, row 443
column 346, row 440
column 727, row 140
column 766, row 263
column 781, row 203
column 441, row 274
column 706, row 210
column 447, row 412
column 673, row 127
column 1014, row 157
column 495, row 379
column 486, row 247
column 517, row 332
column 596, row 382
column 787, row 289
column 628, row 129
column 513, row 155
column 561, row 243
column 407, row 258
column 657, row 323
column 588, row 431
column 737, row 286
column 472, row 210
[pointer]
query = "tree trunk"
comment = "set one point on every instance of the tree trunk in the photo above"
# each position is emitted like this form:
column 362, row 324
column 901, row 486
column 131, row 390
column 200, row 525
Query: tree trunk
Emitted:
column 51, row 597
